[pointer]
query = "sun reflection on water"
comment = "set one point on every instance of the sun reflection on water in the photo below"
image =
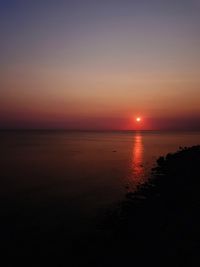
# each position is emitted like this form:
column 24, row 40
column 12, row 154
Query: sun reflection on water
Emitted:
column 137, row 159
column 137, row 169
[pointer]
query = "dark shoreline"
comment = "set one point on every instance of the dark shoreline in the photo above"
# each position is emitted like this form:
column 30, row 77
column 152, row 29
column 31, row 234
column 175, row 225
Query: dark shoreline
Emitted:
column 159, row 225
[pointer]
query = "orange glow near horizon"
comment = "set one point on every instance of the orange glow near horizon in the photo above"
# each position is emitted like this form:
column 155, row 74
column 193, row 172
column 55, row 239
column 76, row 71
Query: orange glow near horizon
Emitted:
column 138, row 119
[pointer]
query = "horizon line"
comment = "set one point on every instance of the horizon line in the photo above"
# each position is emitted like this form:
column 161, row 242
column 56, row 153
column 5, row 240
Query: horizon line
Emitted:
column 98, row 130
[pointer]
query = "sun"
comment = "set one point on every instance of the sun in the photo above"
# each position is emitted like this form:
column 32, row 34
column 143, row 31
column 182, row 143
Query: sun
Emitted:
column 138, row 119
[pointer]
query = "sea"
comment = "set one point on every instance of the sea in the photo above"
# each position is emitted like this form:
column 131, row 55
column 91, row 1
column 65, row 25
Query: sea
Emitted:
column 69, row 179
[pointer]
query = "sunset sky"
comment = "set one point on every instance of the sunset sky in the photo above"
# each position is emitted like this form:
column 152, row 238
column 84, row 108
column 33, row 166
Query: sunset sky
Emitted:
column 83, row 64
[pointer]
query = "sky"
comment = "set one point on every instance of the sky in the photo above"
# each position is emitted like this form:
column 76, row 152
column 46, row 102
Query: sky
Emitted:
column 83, row 64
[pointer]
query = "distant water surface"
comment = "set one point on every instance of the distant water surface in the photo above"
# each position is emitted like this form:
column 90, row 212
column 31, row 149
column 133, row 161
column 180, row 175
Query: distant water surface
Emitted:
column 50, row 178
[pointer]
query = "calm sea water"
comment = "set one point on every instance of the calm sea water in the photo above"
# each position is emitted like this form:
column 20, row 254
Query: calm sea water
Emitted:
column 53, row 178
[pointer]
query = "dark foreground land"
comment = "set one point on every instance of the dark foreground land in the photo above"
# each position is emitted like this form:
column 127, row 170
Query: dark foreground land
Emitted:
column 159, row 225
